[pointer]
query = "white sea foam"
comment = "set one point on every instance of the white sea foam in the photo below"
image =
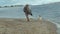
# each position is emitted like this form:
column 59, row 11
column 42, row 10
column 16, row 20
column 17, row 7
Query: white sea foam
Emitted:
column 58, row 25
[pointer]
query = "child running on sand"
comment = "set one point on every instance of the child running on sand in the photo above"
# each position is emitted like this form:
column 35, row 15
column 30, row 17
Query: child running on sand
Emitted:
column 27, row 11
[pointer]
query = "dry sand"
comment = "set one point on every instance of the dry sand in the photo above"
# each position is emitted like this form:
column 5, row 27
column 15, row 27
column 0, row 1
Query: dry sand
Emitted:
column 21, row 26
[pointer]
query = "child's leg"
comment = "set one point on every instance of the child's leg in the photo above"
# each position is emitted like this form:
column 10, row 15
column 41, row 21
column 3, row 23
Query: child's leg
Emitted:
column 27, row 17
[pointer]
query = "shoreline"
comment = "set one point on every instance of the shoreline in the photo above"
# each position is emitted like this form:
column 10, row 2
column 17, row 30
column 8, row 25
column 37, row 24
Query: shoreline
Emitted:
column 21, row 26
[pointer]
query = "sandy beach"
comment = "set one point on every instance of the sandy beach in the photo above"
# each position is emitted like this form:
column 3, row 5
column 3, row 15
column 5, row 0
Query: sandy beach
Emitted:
column 21, row 26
